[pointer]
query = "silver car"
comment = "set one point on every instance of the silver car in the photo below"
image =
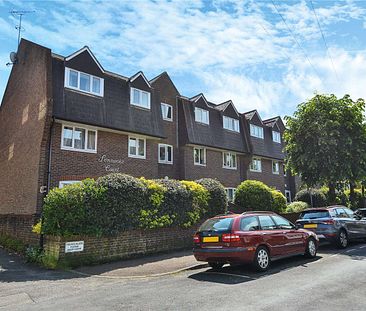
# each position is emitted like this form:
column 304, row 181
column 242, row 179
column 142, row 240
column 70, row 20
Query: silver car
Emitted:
column 336, row 224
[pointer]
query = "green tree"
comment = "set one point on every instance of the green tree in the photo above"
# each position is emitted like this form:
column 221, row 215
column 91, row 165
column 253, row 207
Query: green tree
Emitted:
column 325, row 141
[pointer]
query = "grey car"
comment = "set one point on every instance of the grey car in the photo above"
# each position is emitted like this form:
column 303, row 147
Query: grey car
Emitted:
column 336, row 224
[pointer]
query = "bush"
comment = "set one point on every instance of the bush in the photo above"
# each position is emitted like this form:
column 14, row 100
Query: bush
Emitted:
column 278, row 201
column 357, row 201
column 296, row 207
column 124, row 197
column 318, row 197
column 217, row 202
column 253, row 195
column 12, row 244
column 72, row 210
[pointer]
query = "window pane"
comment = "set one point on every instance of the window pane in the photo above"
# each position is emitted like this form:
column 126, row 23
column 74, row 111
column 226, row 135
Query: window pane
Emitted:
column 249, row 224
column 84, row 82
column 169, row 151
column 73, row 78
column 132, row 146
column 282, row 222
column 79, row 138
column 169, row 112
column 67, row 136
column 136, row 96
column 141, row 147
column 205, row 116
column 91, row 140
column 233, row 157
column 96, row 85
column 162, row 153
column 202, row 156
column 145, row 99
column 266, row 223
column 198, row 115
column 163, row 111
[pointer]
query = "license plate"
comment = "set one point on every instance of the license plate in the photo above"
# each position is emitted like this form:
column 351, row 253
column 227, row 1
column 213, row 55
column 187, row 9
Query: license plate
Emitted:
column 310, row 226
column 210, row 239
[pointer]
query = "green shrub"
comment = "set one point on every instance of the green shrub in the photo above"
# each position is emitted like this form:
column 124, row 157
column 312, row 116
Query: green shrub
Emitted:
column 124, row 197
column 318, row 197
column 253, row 195
column 12, row 244
column 217, row 202
column 278, row 201
column 357, row 198
column 73, row 210
column 296, row 207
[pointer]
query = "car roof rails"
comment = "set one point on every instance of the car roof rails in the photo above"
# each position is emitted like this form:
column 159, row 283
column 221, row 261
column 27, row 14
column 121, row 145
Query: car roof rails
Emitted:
column 257, row 212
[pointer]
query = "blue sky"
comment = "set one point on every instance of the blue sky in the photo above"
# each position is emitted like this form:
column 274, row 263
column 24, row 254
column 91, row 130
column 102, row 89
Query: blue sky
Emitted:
column 265, row 55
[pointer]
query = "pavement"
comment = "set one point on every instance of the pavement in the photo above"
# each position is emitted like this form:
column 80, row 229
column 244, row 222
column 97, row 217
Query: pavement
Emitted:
column 148, row 266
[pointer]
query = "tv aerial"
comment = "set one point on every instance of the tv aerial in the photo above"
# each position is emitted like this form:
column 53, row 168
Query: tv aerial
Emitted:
column 15, row 13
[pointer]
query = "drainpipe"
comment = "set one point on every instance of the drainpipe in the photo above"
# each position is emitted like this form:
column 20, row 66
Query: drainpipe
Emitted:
column 41, row 238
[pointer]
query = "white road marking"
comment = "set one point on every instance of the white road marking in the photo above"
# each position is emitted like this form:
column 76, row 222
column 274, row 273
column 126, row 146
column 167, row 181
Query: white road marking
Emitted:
column 363, row 246
column 351, row 250
column 231, row 274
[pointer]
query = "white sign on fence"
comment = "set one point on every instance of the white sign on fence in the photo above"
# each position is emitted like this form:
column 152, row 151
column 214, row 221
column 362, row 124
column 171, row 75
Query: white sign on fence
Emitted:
column 76, row 246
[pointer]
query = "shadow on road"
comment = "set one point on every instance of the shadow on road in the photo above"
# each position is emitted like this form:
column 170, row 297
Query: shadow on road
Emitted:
column 13, row 268
column 245, row 273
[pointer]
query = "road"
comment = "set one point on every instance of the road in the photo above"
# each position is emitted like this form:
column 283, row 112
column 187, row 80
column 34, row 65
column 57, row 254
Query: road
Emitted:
column 335, row 280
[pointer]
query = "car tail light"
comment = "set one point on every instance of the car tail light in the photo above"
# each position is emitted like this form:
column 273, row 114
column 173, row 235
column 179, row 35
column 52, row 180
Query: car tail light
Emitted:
column 328, row 222
column 196, row 238
column 228, row 238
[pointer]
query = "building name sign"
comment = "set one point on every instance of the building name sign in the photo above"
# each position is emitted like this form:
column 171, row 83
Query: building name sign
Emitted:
column 73, row 247
column 111, row 165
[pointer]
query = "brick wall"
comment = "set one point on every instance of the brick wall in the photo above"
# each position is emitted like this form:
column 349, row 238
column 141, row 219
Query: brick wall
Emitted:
column 266, row 176
column 127, row 244
column 24, row 116
column 19, row 227
column 75, row 165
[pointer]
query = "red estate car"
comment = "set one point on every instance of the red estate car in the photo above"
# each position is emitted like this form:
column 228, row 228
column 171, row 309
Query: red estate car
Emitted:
column 251, row 237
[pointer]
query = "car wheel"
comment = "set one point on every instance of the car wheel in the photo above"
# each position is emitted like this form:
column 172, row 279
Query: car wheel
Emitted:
column 311, row 249
column 342, row 240
column 215, row 265
column 261, row 259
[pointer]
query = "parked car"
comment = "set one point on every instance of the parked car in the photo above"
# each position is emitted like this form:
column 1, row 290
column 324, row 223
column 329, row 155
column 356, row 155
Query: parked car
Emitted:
column 336, row 224
column 251, row 237
column 361, row 212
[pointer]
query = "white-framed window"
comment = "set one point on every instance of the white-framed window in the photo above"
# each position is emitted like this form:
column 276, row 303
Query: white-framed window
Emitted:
column 275, row 167
column 256, row 131
column 199, row 155
column 276, row 136
column 256, row 165
column 84, row 82
column 140, row 98
column 201, row 115
column 165, row 154
column 288, row 196
column 167, row 112
column 230, row 193
column 78, row 138
column 229, row 160
column 284, row 170
column 136, row 147
column 64, row 183
column 231, row 124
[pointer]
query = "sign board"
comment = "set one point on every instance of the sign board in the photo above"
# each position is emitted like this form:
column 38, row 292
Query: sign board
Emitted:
column 72, row 247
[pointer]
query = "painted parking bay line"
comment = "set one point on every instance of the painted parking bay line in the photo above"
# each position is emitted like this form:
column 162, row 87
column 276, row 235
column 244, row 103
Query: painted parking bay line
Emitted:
column 231, row 274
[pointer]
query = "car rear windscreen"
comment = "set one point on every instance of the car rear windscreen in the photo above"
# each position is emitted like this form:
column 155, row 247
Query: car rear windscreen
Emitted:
column 314, row 214
column 217, row 224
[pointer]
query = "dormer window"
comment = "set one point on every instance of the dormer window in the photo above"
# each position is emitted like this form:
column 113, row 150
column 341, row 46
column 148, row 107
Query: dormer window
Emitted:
column 84, row 82
column 201, row 115
column 140, row 98
column 167, row 112
column 276, row 136
column 231, row 124
column 256, row 131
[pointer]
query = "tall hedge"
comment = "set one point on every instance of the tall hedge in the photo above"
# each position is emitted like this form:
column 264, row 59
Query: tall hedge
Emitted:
column 253, row 195
column 119, row 202
column 318, row 197
column 278, row 201
column 217, row 202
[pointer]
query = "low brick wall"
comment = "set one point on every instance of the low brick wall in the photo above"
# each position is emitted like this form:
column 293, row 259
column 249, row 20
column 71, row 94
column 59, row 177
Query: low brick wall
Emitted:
column 126, row 245
column 19, row 227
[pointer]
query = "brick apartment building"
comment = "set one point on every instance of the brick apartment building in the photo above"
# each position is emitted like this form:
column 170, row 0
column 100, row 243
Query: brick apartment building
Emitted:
column 63, row 119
